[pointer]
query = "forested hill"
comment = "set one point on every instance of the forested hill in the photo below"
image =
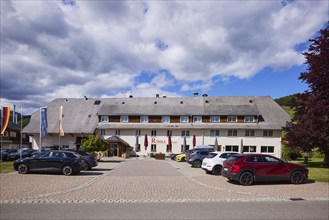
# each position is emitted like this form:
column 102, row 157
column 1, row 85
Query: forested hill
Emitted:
column 284, row 103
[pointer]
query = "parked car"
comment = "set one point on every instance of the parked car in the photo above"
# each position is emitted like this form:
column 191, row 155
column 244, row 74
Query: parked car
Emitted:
column 198, row 147
column 249, row 168
column 88, row 159
column 24, row 152
column 197, row 157
column 180, row 157
column 5, row 152
column 173, row 156
column 213, row 163
column 65, row 162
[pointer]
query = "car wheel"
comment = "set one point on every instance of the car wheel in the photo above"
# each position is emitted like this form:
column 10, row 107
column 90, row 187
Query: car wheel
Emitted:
column 67, row 170
column 197, row 163
column 297, row 177
column 246, row 178
column 216, row 170
column 22, row 168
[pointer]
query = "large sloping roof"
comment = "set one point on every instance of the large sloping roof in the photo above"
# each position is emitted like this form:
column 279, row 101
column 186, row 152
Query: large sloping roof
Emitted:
column 81, row 115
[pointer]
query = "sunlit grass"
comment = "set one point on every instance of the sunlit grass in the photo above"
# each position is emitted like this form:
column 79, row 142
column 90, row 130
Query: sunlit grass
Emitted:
column 317, row 171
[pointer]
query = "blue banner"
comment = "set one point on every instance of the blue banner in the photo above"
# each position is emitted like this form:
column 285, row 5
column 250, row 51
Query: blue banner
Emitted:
column 43, row 121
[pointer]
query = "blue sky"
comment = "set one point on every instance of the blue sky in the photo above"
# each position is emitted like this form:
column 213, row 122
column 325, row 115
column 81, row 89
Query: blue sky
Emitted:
column 76, row 48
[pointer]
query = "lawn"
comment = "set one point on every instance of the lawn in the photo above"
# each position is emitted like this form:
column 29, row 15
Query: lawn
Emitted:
column 6, row 167
column 317, row 172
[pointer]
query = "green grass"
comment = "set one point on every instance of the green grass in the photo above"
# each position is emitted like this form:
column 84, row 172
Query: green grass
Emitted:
column 317, row 171
column 6, row 167
column 289, row 110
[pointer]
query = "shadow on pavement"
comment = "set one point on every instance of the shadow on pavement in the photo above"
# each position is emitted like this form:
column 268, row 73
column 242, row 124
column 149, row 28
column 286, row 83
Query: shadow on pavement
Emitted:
column 272, row 183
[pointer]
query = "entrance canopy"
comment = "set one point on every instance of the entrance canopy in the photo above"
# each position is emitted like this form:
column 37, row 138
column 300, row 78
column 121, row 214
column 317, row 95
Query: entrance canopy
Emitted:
column 116, row 139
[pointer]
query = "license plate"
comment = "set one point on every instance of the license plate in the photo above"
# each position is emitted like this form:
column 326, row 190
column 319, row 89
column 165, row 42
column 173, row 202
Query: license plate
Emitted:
column 225, row 169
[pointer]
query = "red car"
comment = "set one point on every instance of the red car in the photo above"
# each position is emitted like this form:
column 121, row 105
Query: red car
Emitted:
column 248, row 168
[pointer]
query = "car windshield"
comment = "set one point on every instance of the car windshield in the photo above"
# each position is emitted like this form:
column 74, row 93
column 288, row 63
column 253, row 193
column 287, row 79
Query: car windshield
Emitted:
column 234, row 158
column 211, row 155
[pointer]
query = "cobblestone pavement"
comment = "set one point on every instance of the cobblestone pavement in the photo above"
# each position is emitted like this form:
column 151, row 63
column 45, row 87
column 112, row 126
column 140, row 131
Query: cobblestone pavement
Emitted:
column 141, row 180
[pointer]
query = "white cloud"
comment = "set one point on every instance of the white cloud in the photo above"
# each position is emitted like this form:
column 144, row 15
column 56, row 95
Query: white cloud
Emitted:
column 99, row 48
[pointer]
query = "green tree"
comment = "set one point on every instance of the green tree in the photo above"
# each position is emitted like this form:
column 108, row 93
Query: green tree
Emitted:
column 94, row 143
column 309, row 128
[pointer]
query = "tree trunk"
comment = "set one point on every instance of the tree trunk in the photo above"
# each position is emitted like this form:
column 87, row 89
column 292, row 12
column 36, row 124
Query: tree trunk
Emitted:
column 326, row 159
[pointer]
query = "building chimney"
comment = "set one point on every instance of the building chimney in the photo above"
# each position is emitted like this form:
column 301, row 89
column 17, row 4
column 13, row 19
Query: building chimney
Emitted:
column 195, row 94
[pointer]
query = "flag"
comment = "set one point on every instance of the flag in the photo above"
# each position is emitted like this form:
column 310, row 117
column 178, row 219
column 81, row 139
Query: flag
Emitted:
column 43, row 121
column 146, row 143
column 6, row 114
column 61, row 130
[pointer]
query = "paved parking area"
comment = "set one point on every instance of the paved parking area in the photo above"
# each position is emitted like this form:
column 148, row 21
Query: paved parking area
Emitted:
column 117, row 180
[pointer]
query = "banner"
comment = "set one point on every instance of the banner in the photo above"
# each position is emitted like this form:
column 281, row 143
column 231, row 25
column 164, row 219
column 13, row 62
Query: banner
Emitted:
column 43, row 122
column 61, row 130
column 6, row 115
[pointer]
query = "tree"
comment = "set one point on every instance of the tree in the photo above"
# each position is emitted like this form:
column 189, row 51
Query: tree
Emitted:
column 309, row 128
column 94, row 143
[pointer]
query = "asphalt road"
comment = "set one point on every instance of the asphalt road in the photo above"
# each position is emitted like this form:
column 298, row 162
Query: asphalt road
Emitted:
column 219, row 210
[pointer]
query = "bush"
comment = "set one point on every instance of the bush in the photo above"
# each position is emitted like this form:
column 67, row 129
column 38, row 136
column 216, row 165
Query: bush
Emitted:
column 289, row 154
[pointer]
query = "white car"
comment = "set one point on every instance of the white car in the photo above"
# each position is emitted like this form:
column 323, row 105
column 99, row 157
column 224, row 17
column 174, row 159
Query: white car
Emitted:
column 213, row 163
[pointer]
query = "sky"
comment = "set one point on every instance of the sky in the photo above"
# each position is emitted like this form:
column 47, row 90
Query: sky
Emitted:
column 74, row 48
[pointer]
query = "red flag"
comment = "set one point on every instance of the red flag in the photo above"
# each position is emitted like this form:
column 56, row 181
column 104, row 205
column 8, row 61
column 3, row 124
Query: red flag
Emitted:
column 145, row 142
column 194, row 141
column 6, row 114
column 169, row 143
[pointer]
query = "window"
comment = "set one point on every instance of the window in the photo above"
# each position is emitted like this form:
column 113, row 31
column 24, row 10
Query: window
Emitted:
column 234, row 148
column 13, row 134
column 232, row 133
column 197, row 119
column 249, row 119
column 232, row 119
column 5, row 134
column 138, row 132
column 267, row 149
column 117, row 131
column 102, row 131
column 267, row 133
column 165, row 119
column 169, row 132
column 138, row 148
column 214, row 119
column 250, row 149
column 250, row 133
column 254, row 159
column 269, row 159
column 124, row 119
column 185, row 133
column 184, row 119
column 153, row 148
column 104, row 118
column 153, row 133
column 144, row 119
column 187, row 147
column 214, row 133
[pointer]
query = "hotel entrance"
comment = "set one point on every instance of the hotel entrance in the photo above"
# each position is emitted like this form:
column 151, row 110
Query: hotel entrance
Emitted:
column 117, row 146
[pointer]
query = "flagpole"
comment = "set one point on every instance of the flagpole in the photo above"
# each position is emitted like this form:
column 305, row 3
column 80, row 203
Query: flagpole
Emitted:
column 40, row 133
column 59, row 134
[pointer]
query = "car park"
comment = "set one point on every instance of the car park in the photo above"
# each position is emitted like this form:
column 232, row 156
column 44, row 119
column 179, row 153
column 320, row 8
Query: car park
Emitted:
column 250, row 168
column 181, row 157
column 88, row 159
column 65, row 162
column 213, row 163
column 197, row 157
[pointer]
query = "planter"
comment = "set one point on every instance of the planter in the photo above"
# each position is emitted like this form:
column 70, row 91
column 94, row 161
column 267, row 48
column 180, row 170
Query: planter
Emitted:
column 159, row 156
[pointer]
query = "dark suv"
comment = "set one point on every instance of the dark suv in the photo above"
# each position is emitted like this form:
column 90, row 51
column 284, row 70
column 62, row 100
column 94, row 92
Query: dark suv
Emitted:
column 248, row 168
column 197, row 156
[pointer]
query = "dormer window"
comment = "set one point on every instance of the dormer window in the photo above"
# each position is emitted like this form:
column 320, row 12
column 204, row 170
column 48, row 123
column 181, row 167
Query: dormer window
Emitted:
column 214, row 119
column 249, row 119
column 232, row 119
column 197, row 119
column 184, row 119
column 124, row 119
column 165, row 119
column 104, row 118
column 144, row 119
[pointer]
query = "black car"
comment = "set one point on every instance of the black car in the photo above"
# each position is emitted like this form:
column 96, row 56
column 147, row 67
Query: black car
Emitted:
column 89, row 160
column 24, row 152
column 64, row 162
column 5, row 152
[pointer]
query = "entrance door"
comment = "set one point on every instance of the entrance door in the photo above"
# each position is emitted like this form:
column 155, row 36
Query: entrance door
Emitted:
column 113, row 150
